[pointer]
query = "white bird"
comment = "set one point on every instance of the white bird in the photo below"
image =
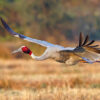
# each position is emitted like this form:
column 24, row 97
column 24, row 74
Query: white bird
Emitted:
column 84, row 52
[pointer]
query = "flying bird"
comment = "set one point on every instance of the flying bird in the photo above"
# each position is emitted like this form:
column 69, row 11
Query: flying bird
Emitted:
column 85, row 51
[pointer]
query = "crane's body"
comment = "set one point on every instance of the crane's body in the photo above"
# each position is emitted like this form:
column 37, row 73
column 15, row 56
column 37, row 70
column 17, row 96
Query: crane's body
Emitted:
column 85, row 51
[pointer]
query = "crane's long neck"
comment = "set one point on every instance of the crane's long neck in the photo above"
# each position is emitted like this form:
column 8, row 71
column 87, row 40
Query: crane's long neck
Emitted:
column 26, row 50
column 42, row 57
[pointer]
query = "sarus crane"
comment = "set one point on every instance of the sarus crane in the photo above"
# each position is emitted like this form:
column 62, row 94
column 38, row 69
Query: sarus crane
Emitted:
column 85, row 51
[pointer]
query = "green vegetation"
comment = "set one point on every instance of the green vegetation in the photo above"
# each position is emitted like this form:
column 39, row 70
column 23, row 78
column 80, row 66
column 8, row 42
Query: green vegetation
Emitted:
column 46, row 19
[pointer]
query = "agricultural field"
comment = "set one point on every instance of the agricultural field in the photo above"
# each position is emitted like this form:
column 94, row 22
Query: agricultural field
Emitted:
column 58, row 22
column 48, row 80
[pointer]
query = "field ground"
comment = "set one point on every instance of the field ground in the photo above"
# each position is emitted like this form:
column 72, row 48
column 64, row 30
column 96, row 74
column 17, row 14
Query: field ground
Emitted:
column 48, row 80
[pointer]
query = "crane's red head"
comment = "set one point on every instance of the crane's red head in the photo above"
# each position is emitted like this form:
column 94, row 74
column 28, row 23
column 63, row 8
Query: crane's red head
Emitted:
column 26, row 50
column 23, row 49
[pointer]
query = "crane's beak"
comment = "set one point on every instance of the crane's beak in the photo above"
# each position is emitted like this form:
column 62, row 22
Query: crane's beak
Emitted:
column 18, row 50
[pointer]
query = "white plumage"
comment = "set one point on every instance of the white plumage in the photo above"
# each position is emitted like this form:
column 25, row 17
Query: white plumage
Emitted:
column 83, row 52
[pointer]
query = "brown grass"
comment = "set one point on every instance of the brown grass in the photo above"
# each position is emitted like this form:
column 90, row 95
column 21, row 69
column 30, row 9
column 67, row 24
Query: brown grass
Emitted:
column 48, row 80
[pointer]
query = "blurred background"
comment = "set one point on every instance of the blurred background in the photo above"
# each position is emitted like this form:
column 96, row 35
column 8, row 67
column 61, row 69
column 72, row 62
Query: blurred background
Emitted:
column 58, row 22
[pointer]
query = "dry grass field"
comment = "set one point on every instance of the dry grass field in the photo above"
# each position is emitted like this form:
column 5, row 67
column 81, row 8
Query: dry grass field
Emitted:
column 48, row 80
column 58, row 22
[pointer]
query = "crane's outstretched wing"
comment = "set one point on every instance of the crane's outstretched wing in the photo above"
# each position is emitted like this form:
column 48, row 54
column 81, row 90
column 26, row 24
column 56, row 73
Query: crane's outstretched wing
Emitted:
column 40, row 42
column 88, row 52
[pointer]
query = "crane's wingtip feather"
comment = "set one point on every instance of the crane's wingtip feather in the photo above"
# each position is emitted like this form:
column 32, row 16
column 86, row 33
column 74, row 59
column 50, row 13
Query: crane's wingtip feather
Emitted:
column 2, row 20
column 4, row 23
column 86, row 40
column 80, row 39
column 6, row 26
